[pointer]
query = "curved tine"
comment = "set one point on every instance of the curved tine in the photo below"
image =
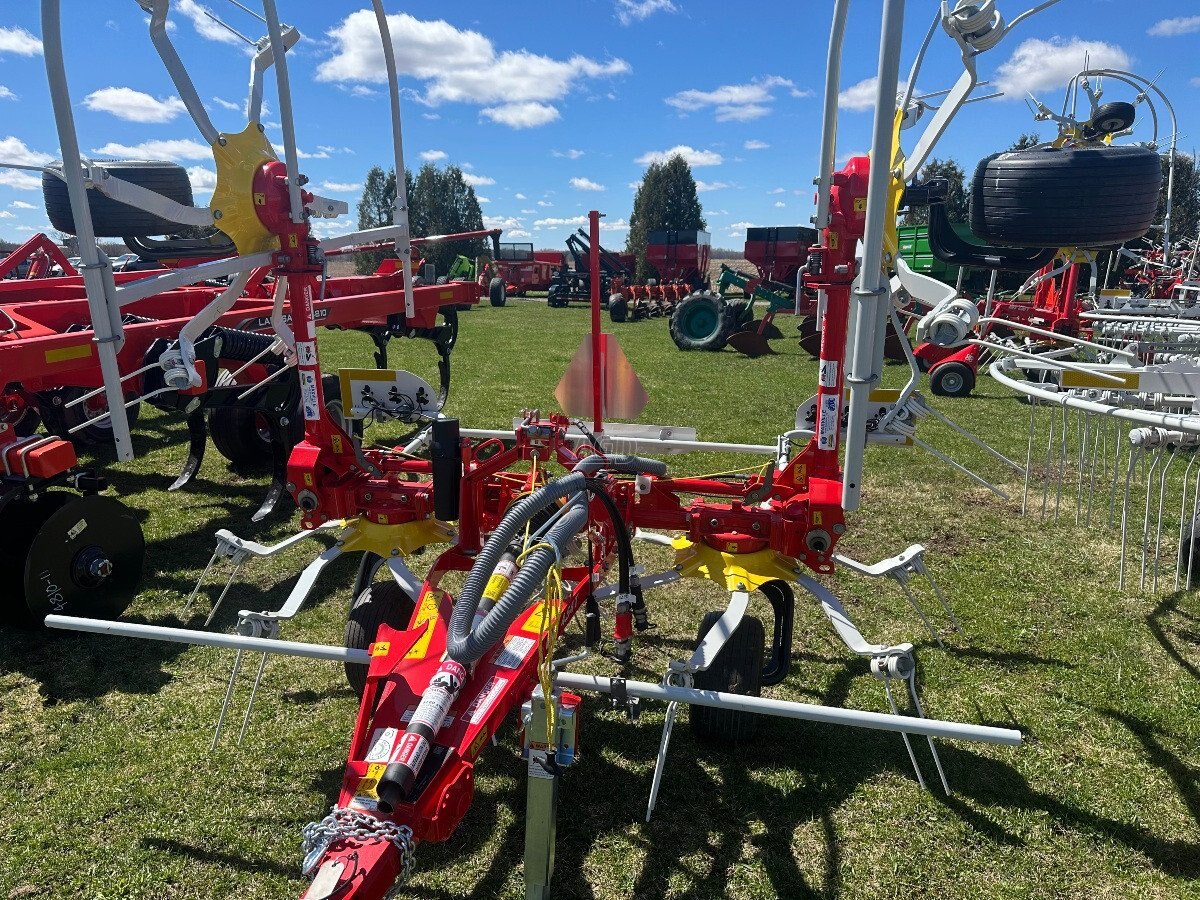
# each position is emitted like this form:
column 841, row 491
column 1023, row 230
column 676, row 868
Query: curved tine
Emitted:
column 1162, row 493
column 895, row 710
column 1116, row 472
column 1146, row 516
column 1085, row 421
column 1192, row 543
column 1097, row 439
column 1183, row 509
column 1062, row 464
column 1028, row 456
column 1131, row 463
column 1046, row 472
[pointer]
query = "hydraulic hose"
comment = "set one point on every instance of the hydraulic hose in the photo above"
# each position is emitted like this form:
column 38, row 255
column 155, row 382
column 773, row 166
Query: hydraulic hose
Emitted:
column 466, row 645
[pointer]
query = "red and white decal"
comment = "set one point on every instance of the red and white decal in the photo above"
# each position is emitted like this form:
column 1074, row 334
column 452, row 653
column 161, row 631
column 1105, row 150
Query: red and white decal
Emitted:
column 485, row 700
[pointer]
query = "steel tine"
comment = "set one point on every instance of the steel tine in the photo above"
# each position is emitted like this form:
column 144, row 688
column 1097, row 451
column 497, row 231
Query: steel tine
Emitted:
column 196, row 590
column 937, row 592
column 262, row 664
column 937, row 760
column 1183, row 510
column 920, row 612
column 1146, row 516
column 1191, row 525
column 237, row 664
column 216, row 606
column 1131, row 462
column 1098, row 437
column 1028, row 457
column 1062, row 464
column 912, row 757
column 1162, row 493
column 1084, row 424
column 661, row 762
column 1112, row 499
column 1046, row 474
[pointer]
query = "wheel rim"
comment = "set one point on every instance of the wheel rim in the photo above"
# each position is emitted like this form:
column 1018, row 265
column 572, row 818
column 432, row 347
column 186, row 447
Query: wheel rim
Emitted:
column 952, row 382
column 700, row 321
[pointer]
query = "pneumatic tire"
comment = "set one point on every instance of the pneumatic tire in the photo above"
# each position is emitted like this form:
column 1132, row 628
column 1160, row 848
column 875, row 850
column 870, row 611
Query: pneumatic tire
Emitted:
column 736, row 670
column 384, row 602
column 117, row 220
column 1065, row 197
column 700, row 322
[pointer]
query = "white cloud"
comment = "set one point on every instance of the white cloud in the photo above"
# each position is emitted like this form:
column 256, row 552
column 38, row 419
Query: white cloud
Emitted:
column 22, row 181
column 506, row 222
column 1037, row 64
column 690, row 155
column 860, row 97
column 779, row 204
column 1175, row 27
column 586, row 184
column 615, row 225
column 327, row 228
column 703, row 186
column 575, row 220
column 529, row 212
column 203, row 180
column 736, row 102
column 777, row 190
column 19, row 41
column 5, row 214
column 21, row 204
column 341, row 187
column 630, row 11
column 432, row 117
column 544, row 203
column 477, row 180
column 174, row 149
column 226, row 104
column 517, row 233
column 1195, row 82
column 740, row 225
column 480, row 199
column 756, row 145
column 432, row 155
column 6, row 94
column 514, row 87
column 521, row 115
column 133, row 106
column 634, row 185
column 14, row 150
column 519, row 197
column 568, row 154
column 205, row 27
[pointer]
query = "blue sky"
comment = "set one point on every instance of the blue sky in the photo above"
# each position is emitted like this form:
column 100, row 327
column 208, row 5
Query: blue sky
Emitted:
column 553, row 109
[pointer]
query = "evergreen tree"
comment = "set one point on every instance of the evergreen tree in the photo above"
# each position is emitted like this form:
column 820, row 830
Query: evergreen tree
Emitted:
column 1185, row 199
column 375, row 210
column 1025, row 142
column 441, row 202
column 956, row 198
column 666, row 199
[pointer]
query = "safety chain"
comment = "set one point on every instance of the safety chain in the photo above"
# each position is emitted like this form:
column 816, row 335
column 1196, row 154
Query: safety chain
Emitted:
column 343, row 823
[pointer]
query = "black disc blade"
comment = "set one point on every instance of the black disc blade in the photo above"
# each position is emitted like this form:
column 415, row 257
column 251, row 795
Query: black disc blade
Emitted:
column 85, row 560
column 20, row 520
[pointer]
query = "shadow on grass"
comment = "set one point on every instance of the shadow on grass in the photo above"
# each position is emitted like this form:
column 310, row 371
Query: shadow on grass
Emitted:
column 1176, row 640
column 244, row 863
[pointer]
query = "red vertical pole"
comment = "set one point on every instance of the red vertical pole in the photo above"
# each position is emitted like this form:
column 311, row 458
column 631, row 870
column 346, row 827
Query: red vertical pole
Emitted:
column 597, row 349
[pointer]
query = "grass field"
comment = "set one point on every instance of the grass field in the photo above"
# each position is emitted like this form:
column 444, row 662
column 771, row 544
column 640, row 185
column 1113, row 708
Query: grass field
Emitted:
column 108, row 791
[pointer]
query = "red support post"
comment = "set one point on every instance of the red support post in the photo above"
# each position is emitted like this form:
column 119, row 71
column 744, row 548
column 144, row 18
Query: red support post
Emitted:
column 597, row 343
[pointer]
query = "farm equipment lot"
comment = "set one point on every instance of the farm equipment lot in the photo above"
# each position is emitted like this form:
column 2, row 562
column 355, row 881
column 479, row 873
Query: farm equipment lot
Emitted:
column 109, row 739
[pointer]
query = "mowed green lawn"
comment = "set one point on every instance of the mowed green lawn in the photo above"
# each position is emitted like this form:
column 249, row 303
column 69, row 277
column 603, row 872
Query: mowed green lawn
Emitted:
column 108, row 790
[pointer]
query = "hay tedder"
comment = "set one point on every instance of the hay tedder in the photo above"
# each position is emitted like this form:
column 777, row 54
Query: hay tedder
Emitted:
column 538, row 522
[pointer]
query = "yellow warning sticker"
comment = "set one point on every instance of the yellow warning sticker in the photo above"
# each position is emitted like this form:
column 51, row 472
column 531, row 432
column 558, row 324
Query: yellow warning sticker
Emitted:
column 816, row 517
column 381, row 648
column 534, row 623
column 427, row 616
column 370, row 781
column 62, row 354
column 335, row 440
column 308, row 479
column 860, row 204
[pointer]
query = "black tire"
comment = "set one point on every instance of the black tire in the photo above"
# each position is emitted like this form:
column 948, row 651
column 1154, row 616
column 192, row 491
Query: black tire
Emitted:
column 382, row 602
column 1111, row 118
column 113, row 219
column 618, row 308
column 736, row 670
column 554, row 297
column 952, row 379
column 59, row 418
column 700, row 322
column 1065, row 197
column 497, row 292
